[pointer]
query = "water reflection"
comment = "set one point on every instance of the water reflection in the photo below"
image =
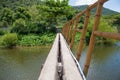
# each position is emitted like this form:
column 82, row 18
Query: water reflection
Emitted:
column 105, row 64
column 22, row 63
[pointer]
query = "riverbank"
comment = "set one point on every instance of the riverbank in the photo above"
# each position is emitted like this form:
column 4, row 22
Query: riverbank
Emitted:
column 36, row 40
column 13, row 39
column 25, row 62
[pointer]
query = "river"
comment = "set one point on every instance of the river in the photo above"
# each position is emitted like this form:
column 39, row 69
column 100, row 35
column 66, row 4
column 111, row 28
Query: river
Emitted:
column 24, row 63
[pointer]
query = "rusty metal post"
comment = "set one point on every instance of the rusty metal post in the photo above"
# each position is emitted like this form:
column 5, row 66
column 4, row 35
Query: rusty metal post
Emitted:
column 80, row 46
column 93, row 37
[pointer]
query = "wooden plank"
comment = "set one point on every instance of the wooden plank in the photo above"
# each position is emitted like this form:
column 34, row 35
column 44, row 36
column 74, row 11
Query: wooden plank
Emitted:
column 108, row 35
column 49, row 71
column 70, row 69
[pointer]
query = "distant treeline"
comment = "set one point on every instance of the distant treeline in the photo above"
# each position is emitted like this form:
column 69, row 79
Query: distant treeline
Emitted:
column 32, row 22
column 34, row 16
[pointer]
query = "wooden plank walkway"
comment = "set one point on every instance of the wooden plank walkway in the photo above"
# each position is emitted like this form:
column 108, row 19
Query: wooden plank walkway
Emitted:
column 49, row 70
column 71, row 71
column 60, row 63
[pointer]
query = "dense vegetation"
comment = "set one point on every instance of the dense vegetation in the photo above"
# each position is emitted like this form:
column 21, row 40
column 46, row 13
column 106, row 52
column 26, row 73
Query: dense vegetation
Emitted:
column 35, row 22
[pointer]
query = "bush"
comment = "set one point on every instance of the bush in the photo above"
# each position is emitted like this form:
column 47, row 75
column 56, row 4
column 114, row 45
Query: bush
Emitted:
column 47, row 38
column 30, row 40
column 4, row 24
column 103, row 27
column 2, row 32
column 22, row 26
column 19, row 26
column 35, row 27
column 53, row 29
column 36, row 40
column 9, row 40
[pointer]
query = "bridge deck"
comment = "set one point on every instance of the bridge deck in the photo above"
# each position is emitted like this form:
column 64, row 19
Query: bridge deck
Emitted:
column 60, row 63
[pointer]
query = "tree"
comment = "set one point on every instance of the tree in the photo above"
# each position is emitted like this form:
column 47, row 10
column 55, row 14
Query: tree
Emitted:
column 52, row 9
column 116, row 21
column 21, row 12
column 19, row 26
column 7, row 16
column 9, row 40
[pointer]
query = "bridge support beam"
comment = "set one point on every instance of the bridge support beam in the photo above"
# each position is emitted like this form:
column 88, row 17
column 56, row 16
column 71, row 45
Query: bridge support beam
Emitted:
column 93, row 37
column 70, row 31
column 80, row 46
column 108, row 35
column 76, row 25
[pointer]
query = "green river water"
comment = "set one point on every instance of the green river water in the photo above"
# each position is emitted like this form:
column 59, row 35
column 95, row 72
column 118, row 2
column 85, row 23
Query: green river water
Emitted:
column 24, row 63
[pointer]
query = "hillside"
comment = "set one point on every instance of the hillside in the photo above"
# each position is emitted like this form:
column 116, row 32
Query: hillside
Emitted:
column 13, row 3
column 105, row 11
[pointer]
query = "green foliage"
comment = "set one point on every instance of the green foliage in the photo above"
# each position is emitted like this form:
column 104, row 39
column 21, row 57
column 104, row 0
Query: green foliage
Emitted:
column 34, row 13
column 52, row 10
column 47, row 38
column 7, row 15
column 3, row 24
column 103, row 27
column 19, row 26
column 9, row 40
column 2, row 32
column 35, row 27
column 39, row 16
column 116, row 21
column 21, row 12
column 77, row 37
column 30, row 40
column 36, row 40
column 14, row 3
column 53, row 29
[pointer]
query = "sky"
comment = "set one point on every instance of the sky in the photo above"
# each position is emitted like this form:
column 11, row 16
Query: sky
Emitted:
column 110, row 4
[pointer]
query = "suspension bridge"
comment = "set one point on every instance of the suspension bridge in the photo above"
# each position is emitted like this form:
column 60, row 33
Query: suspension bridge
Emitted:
column 60, row 63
